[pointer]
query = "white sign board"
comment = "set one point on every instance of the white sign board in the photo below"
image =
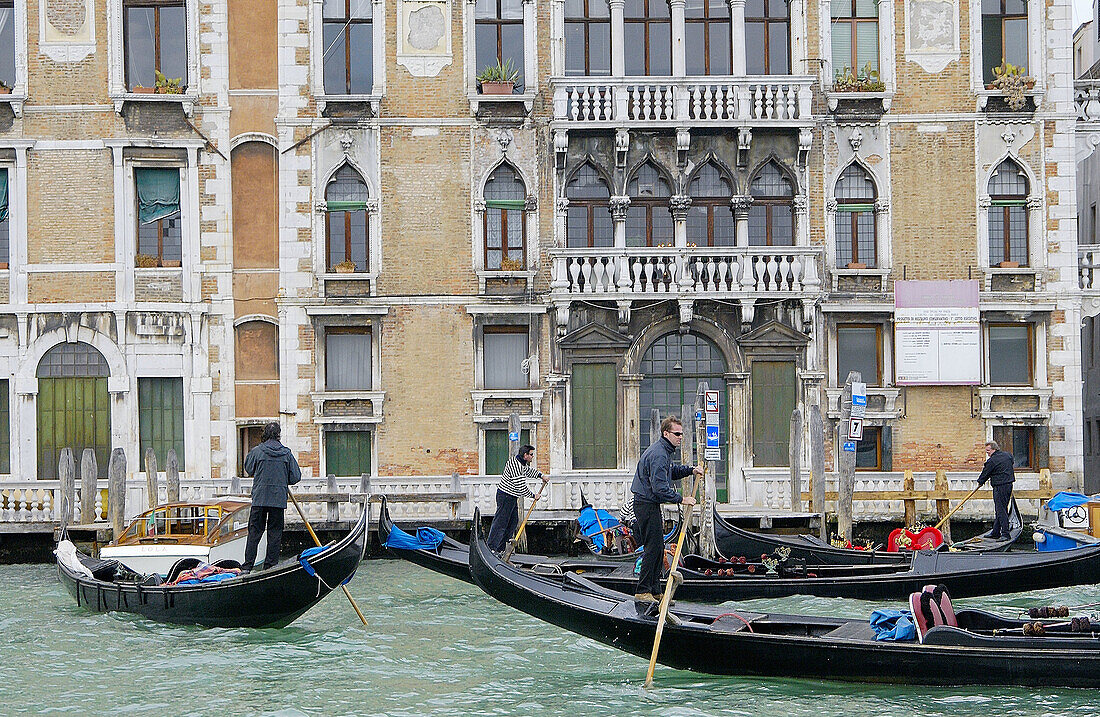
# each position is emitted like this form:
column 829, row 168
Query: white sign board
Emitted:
column 937, row 334
column 711, row 402
column 855, row 428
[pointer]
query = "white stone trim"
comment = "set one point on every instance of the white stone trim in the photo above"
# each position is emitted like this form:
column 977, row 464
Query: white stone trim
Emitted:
column 378, row 61
column 934, row 59
column 1036, row 35
column 116, row 60
column 61, row 50
column 427, row 63
column 19, row 90
column 887, row 70
column 17, row 223
column 530, row 57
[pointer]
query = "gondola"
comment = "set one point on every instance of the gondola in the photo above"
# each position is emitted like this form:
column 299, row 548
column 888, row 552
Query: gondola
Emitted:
column 717, row 640
column 267, row 598
column 732, row 542
column 452, row 558
column 963, row 574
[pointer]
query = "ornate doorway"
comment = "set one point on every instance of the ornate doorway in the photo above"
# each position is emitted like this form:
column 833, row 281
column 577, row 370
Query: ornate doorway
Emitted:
column 74, row 408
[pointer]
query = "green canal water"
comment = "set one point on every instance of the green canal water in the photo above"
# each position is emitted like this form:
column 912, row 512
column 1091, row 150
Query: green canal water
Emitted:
column 435, row 646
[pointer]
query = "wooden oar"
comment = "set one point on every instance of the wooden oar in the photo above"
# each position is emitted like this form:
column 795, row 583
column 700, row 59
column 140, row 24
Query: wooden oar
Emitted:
column 318, row 541
column 512, row 544
column 666, row 598
column 944, row 519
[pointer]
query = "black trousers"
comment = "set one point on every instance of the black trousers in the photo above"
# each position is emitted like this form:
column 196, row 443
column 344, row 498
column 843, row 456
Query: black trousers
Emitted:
column 1001, row 495
column 647, row 518
column 262, row 518
column 505, row 521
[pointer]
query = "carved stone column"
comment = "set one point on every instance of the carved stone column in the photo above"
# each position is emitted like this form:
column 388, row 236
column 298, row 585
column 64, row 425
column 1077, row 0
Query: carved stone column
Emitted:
column 737, row 22
column 679, row 56
column 736, row 397
column 619, row 204
column 741, row 204
column 557, row 427
column 618, row 61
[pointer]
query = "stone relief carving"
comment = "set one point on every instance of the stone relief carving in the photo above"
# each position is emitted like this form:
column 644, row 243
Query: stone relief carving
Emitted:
column 66, row 30
column 424, row 36
column 932, row 33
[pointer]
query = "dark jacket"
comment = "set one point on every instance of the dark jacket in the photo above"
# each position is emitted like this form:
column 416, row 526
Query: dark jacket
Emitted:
column 655, row 473
column 273, row 469
column 998, row 469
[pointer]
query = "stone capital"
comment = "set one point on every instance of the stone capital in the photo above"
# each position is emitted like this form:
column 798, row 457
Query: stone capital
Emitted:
column 741, row 203
column 679, row 205
column 619, row 204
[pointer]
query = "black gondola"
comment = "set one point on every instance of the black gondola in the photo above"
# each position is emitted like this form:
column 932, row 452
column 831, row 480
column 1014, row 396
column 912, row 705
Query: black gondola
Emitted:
column 267, row 598
column 452, row 558
column 718, row 641
column 732, row 541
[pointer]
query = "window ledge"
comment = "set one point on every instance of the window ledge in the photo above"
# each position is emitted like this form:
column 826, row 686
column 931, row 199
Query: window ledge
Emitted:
column 987, row 393
column 376, row 398
column 834, row 98
column 186, row 100
column 477, row 99
column 1034, row 95
column 534, row 395
column 14, row 100
column 997, row 278
column 876, row 273
column 374, row 101
column 528, row 274
column 889, row 394
column 360, row 275
column 151, row 269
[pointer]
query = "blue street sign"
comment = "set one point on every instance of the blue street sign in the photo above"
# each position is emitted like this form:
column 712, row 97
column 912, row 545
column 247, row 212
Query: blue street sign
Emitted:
column 712, row 436
column 513, row 435
column 849, row 446
column 699, row 416
column 858, row 400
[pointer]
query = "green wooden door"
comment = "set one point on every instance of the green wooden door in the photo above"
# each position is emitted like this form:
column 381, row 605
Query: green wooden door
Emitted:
column 773, row 400
column 73, row 413
column 496, row 449
column 347, row 453
column 594, row 416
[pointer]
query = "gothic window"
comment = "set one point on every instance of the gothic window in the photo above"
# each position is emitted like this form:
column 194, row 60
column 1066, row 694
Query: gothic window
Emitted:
column 1008, row 190
column 588, row 221
column 648, row 220
column 855, row 217
column 505, row 233
column 346, row 222
column 710, row 218
column 771, row 217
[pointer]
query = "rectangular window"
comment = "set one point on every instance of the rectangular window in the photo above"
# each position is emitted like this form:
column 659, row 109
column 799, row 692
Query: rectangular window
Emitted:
column 1010, row 354
column 348, row 55
column 707, row 37
column 160, row 418
column 5, row 231
column 859, row 348
column 5, row 429
column 587, row 37
column 647, row 30
column 855, row 36
column 1008, row 232
column 869, row 449
column 347, row 453
column 1020, row 442
column 1004, row 35
column 155, row 41
column 767, row 37
column 496, row 449
column 7, row 43
column 773, row 400
column 159, row 225
column 594, row 416
column 506, row 350
column 498, row 28
column 347, row 360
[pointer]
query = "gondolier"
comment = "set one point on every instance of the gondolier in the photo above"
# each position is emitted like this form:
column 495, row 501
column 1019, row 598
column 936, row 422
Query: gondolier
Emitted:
column 652, row 486
column 512, row 487
column 273, row 470
column 998, row 471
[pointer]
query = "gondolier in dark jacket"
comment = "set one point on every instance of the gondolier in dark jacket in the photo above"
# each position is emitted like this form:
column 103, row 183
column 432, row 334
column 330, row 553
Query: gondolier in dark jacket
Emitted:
column 273, row 470
column 512, row 487
column 998, row 471
column 652, row 486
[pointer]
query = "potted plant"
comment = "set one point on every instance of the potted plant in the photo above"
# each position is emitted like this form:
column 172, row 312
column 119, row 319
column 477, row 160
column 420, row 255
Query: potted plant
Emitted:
column 345, row 267
column 511, row 265
column 166, row 86
column 498, row 79
column 865, row 80
column 1009, row 265
column 4, row 89
column 856, row 265
column 1014, row 82
column 146, row 261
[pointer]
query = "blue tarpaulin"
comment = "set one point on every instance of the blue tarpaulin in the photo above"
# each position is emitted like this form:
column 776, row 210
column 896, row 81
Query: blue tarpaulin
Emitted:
column 593, row 522
column 894, row 625
column 426, row 539
column 1066, row 499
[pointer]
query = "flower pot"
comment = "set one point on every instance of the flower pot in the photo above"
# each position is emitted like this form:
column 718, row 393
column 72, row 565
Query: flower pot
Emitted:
column 1009, row 265
column 856, row 265
column 5, row 90
column 344, row 268
column 497, row 88
column 139, row 90
column 170, row 264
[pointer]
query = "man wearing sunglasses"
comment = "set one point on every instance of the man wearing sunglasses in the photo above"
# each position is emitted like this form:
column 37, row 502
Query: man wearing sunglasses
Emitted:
column 653, row 481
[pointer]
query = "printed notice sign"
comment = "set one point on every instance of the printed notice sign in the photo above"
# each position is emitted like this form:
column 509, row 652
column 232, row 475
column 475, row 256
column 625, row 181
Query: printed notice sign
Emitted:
column 937, row 334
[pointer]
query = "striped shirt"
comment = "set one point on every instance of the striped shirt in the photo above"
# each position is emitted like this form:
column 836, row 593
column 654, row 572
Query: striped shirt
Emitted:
column 514, row 479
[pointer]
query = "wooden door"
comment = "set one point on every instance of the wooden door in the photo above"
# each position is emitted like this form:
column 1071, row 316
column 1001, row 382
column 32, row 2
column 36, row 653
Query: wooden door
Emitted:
column 773, row 400
column 73, row 412
column 595, row 416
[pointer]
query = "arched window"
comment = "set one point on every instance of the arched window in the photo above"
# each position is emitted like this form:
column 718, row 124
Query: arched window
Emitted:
column 649, row 219
column 1008, row 190
column 855, row 217
column 707, row 37
column 346, row 222
column 771, row 217
column 74, row 407
column 710, row 219
column 588, row 222
column 505, row 245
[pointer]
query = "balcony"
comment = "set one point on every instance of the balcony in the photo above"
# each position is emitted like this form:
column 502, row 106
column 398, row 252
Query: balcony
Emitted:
column 634, row 102
column 622, row 273
column 1088, row 264
column 1086, row 100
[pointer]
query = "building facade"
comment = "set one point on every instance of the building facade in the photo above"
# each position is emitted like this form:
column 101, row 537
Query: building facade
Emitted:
column 330, row 221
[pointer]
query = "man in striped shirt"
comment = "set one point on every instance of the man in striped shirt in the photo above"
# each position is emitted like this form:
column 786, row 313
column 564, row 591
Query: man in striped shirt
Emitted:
column 512, row 487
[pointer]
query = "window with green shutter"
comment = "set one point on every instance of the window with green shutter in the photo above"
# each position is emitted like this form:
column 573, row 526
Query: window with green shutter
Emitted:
column 347, row 453
column 5, row 430
column 594, row 416
column 160, row 418
column 496, row 449
column 773, row 400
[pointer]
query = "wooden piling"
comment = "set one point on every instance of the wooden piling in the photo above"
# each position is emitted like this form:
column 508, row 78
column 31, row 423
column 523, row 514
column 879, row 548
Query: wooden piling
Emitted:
column 795, row 460
column 172, row 476
column 817, row 468
column 89, row 487
column 66, row 472
column 116, row 491
column 847, row 478
column 152, row 498
column 943, row 506
column 909, row 503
